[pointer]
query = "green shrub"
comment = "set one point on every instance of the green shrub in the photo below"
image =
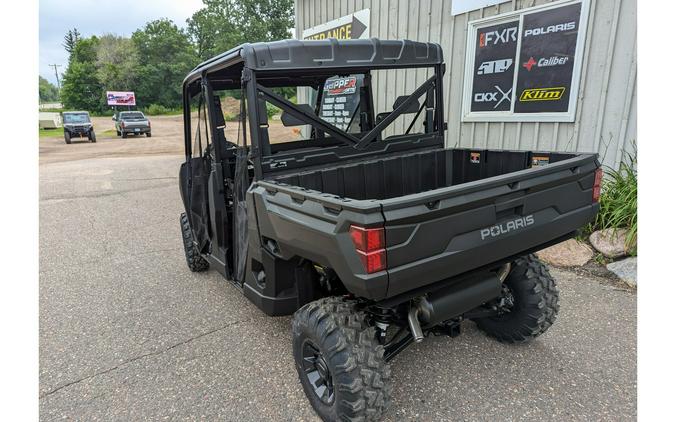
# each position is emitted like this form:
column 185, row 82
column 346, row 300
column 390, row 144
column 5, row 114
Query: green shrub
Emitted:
column 272, row 110
column 157, row 110
column 618, row 201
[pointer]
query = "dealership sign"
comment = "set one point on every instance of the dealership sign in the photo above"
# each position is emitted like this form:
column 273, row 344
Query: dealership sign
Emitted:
column 121, row 98
column 525, row 65
column 350, row 27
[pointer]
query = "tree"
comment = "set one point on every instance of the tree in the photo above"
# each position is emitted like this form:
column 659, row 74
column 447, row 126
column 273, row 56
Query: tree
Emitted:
column 48, row 91
column 117, row 63
column 223, row 24
column 81, row 88
column 165, row 55
column 70, row 39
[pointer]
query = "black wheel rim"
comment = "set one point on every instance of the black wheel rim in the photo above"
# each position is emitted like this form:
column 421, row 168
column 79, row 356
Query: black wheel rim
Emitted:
column 317, row 372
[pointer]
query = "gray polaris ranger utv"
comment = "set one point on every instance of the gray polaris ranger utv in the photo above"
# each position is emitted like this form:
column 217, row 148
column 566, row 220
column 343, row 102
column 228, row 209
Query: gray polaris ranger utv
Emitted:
column 349, row 212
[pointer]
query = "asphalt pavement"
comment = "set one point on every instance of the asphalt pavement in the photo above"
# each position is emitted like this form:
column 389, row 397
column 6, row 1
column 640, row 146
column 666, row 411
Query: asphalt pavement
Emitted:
column 127, row 332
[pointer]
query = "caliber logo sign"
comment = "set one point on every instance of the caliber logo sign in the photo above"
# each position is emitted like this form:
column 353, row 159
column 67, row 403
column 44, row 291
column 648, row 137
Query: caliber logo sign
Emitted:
column 545, row 62
column 506, row 227
column 542, row 94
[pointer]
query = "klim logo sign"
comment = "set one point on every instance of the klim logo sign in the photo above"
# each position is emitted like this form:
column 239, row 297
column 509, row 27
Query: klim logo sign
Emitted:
column 542, row 94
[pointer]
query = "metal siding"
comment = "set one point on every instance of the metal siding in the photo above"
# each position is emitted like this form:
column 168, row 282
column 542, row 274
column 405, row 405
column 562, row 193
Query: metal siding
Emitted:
column 606, row 116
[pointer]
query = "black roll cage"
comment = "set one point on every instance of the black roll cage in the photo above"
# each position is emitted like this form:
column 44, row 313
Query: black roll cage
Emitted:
column 235, row 72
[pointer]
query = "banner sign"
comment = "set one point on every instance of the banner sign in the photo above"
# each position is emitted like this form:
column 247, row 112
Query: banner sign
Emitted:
column 463, row 6
column 525, row 65
column 350, row 27
column 339, row 101
column 121, row 98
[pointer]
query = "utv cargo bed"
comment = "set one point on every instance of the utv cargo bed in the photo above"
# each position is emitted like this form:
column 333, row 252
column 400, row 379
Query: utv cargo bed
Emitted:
column 445, row 212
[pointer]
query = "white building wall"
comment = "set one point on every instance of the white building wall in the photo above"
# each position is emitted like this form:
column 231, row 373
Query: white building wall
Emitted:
column 606, row 115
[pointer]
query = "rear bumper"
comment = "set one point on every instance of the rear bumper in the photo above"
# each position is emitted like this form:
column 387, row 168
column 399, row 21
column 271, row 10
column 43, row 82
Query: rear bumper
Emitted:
column 132, row 130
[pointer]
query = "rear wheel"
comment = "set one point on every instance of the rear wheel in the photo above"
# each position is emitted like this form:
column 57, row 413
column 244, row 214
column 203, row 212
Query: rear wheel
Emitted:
column 340, row 364
column 124, row 134
column 532, row 298
column 67, row 136
column 195, row 262
column 119, row 133
column 148, row 134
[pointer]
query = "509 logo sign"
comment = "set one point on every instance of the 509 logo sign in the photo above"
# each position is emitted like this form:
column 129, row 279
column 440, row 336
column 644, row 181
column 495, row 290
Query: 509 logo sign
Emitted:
column 503, row 36
column 542, row 94
column 494, row 66
column 499, row 96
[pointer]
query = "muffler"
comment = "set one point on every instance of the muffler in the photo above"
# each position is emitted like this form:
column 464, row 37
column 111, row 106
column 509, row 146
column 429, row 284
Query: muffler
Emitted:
column 452, row 301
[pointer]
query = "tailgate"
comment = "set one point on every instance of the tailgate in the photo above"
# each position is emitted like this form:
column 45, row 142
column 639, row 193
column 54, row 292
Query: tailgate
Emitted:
column 445, row 232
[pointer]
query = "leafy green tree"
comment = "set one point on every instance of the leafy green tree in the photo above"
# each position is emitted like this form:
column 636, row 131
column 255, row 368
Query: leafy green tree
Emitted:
column 117, row 63
column 165, row 55
column 70, row 39
column 81, row 88
column 223, row 24
column 48, row 91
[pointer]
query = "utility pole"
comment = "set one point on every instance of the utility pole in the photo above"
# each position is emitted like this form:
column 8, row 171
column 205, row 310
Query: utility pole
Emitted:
column 56, row 72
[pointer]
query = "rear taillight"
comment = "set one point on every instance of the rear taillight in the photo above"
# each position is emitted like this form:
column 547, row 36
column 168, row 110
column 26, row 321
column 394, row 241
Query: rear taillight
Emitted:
column 597, row 184
column 369, row 243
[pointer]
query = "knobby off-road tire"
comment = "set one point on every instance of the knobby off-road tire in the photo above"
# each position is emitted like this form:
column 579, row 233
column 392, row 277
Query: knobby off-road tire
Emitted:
column 92, row 136
column 66, row 135
column 195, row 262
column 535, row 303
column 148, row 134
column 347, row 347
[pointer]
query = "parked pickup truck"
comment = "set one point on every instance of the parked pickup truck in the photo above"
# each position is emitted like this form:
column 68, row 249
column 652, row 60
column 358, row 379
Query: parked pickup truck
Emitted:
column 366, row 227
column 131, row 122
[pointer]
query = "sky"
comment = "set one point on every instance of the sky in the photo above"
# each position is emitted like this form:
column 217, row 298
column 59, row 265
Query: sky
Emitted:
column 90, row 17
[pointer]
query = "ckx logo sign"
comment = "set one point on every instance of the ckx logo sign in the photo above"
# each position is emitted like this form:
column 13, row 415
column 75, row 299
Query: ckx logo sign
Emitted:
column 498, row 96
column 504, row 36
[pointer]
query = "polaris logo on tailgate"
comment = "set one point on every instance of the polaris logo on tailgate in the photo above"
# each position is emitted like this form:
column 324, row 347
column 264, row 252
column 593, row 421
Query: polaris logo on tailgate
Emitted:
column 507, row 226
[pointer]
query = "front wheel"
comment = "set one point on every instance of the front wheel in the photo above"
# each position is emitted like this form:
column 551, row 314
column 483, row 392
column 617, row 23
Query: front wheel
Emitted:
column 92, row 136
column 532, row 298
column 67, row 136
column 340, row 364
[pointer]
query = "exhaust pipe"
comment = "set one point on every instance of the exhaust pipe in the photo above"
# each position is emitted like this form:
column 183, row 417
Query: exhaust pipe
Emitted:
column 454, row 300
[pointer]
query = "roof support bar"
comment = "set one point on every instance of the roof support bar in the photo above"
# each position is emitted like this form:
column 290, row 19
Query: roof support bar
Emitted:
column 372, row 135
column 300, row 114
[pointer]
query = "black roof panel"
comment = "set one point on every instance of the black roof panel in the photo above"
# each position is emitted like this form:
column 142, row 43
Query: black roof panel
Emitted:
column 328, row 53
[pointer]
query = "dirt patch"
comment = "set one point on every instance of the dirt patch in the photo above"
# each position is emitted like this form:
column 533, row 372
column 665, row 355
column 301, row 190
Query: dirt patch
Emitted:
column 167, row 139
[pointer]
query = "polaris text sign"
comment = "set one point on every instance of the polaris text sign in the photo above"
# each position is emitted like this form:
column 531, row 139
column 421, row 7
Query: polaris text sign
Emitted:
column 506, row 227
column 121, row 98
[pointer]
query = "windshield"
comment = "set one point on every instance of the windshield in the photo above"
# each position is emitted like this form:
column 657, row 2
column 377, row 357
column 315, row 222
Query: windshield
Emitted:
column 75, row 118
column 132, row 116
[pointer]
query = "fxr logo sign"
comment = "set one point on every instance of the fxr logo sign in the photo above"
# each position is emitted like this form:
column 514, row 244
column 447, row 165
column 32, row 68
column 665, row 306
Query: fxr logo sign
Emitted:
column 550, row 29
column 542, row 94
column 508, row 226
column 487, row 97
column 497, row 37
column 495, row 66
